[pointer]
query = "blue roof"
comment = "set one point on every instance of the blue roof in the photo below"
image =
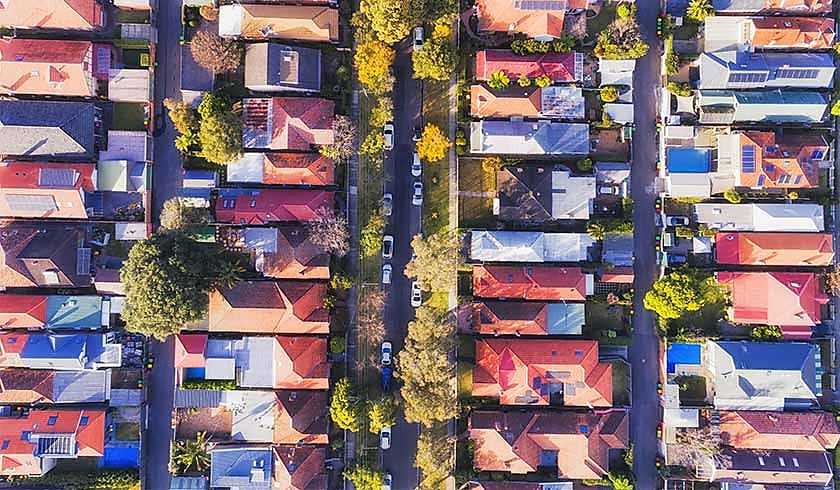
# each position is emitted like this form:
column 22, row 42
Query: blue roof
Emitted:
column 688, row 160
column 787, row 356
column 565, row 318
column 74, row 312
column 241, row 467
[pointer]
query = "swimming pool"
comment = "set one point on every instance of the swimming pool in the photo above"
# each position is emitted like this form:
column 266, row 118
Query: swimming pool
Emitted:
column 688, row 354
column 689, row 160
column 120, row 457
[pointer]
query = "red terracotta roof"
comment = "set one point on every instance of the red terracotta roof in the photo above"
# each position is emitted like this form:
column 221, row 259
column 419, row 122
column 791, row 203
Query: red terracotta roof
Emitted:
column 535, row 371
column 508, row 15
column 11, row 346
column 559, row 66
column 783, row 162
column 290, row 307
column 190, row 350
column 52, row 14
column 794, row 32
column 508, row 318
column 300, row 467
column 529, row 282
column 618, row 275
column 770, row 248
column 63, row 182
column 301, row 417
column 22, row 311
column 26, row 386
column 47, row 67
column 272, row 205
column 291, row 123
column 296, row 257
column 301, row 363
column 775, row 298
column 809, row 431
column 298, row 168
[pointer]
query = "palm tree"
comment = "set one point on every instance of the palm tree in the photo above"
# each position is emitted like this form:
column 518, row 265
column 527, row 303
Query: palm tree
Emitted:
column 229, row 274
column 596, row 231
column 698, row 10
column 192, row 455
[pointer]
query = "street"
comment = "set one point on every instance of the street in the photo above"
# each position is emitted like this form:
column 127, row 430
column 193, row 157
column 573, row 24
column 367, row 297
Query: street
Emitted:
column 644, row 350
column 404, row 223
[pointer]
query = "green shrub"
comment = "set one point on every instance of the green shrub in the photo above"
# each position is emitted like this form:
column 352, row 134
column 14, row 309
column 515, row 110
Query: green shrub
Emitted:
column 98, row 480
column 542, row 81
column 680, row 89
column 608, row 94
column 340, row 282
column 209, row 384
column 766, row 332
column 625, row 10
column 337, row 345
column 499, row 80
column 564, row 44
column 524, row 81
column 524, row 47
column 672, row 63
column 584, row 164
column 732, row 196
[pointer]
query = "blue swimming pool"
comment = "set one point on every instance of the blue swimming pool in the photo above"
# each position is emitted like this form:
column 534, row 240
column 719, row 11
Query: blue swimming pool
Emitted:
column 120, row 457
column 688, row 160
column 682, row 354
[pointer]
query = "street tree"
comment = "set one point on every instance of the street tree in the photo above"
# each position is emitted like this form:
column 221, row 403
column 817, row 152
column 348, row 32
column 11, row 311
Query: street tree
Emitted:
column 365, row 478
column 434, row 459
column 177, row 215
column 433, row 145
column 391, row 21
column 675, row 294
column 382, row 413
column 436, row 261
column 370, row 238
column 345, row 408
column 182, row 115
column 344, row 137
column 435, row 60
column 382, row 112
column 373, row 60
column 329, row 232
column 214, row 53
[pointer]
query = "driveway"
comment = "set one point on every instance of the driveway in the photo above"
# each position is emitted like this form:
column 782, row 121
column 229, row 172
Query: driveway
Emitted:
column 644, row 351
column 403, row 224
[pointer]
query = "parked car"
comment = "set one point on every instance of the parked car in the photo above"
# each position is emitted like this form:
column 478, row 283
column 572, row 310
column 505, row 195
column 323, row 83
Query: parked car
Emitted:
column 386, row 273
column 388, row 133
column 417, row 197
column 416, row 166
column 416, row 294
column 387, row 372
column 385, row 438
column 609, row 190
column 387, row 247
column 418, row 133
column 386, row 482
column 387, row 203
column 676, row 221
column 386, row 353
column 676, row 259
column 418, row 38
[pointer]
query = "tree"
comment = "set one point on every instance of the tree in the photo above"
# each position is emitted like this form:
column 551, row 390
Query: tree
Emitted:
column 698, row 10
column 543, row 81
column 214, row 53
column 621, row 40
column 167, row 280
column 832, row 281
column 329, row 232
column 835, row 108
column 498, row 80
column 434, row 459
column 436, row 261
column 679, row 89
column 625, row 10
column 365, row 478
column 382, row 413
column 228, row 274
column 340, row 282
column 563, row 44
column 620, row 482
column 608, row 94
column 676, row 294
column 191, row 455
column 696, row 447
column 596, row 230
column 373, row 144
column 766, row 332
column 433, row 144
column 672, row 63
column 434, row 61
column 492, row 163
column 373, row 61
column 344, row 137
column 345, row 410
column 182, row 115
column 732, row 196
column 370, row 238
column 524, row 81
column 220, row 132
column 391, row 21
column 371, row 325
column 382, row 112
column 177, row 215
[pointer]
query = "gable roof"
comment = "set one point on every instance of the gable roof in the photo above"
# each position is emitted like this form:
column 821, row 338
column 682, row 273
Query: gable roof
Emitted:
column 543, row 192
column 542, row 372
column 269, row 307
column 529, row 138
column 285, row 252
column 22, row 311
column 517, row 101
column 810, row 431
column 769, row 249
column 277, row 67
column 37, row 386
column 241, row 467
column 768, row 106
column 741, row 70
column 47, row 129
column 300, row 467
column 52, row 14
column 45, row 190
column 301, row 417
column 531, row 282
column 761, row 217
column 723, row 33
column 282, row 169
column 529, row 19
column 762, row 160
column 560, row 67
column 578, row 444
column 294, row 22
column 529, row 246
column 776, row 469
column 287, row 123
column 47, row 67
column 805, row 7
column 788, row 299
column 527, row 318
column 256, row 207
column 48, row 254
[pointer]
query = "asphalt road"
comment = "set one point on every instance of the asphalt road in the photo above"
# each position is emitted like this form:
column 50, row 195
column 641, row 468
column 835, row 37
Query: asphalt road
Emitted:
column 404, row 223
column 644, row 351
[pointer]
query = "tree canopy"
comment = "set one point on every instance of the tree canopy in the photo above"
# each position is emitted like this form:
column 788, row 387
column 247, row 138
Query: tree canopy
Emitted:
column 182, row 115
column 698, row 10
column 382, row 413
column 177, row 215
column 220, row 132
column 365, row 478
column 329, row 232
column 344, row 131
column 434, row 459
column 435, row 60
column 621, row 40
column 436, row 261
column 214, row 53
column 433, row 144
column 391, row 21
column 345, row 410
column 373, row 61
column 675, row 294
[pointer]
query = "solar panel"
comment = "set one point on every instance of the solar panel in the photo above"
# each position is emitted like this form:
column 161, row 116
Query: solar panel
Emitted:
column 541, row 4
column 57, row 177
column 28, row 203
column 83, row 261
column 797, row 73
column 761, row 180
column 744, row 77
column 748, row 159
column 798, row 179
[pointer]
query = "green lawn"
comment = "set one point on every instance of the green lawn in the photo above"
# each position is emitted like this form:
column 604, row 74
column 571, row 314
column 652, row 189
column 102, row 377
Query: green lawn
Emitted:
column 436, row 175
column 464, row 379
column 128, row 116
column 475, row 211
column 596, row 24
column 686, row 32
column 692, row 389
column 621, row 378
column 128, row 432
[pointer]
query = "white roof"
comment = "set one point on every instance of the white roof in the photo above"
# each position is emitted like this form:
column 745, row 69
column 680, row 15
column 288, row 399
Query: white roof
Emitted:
column 133, row 4
column 616, row 72
column 134, row 146
column 261, row 239
column 680, row 132
column 528, row 246
column 253, row 415
column 129, row 85
column 701, row 245
column 249, row 168
column 682, row 417
column 689, row 185
column 620, row 113
column 255, row 360
column 723, row 33
column 130, row 231
column 761, row 217
column 230, row 20
column 220, row 368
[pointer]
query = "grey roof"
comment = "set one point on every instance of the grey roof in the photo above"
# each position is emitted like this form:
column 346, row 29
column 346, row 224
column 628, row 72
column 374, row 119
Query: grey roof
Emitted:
column 188, row 482
column 566, row 318
column 763, row 375
column 70, row 351
column 542, row 192
column 197, row 398
column 618, row 250
column 121, row 397
column 73, row 312
column 39, row 128
column 741, row 70
column 612, row 172
column 562, row 101
column 273, row 67
column 248, row 168
column 242, row 467
column 255, row 361
column 88, row 386
column 529, row 246
column 761, row 217
column 726, row 106
column 529, row 138
column 777, row 461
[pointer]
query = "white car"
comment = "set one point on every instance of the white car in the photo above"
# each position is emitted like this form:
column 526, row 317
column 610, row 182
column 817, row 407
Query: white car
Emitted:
column 416, row 166
column 609, row 190
column 416, row 294
column 386, row 353
column 417, row 197
column 676, row 221
column 386, row 273
column 418, row 38
column 388, row 134
column 387, row 203
column 387, row 247
column 385, row 438
column 386, row 482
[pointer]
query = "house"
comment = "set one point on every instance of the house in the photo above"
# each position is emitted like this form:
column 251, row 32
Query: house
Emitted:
column 287, row 123
column 789, row 299
column 616, row 72
column 541, row 193
column 268, row 307
column 38, row 387
column 552, row 102
column 804, row 431
column 560, row 67
column 547, row 283
column 796, row 7
column 282, row 168
column 538, row 20
column 59, row 351
column 130, row 85
column 44, row 254
column 763, row 160
column 293, row 22
column 256, row 362
column 763, row 375
column 52, row 67
column 575, row 445
column 617, row 249
column 286, row 252
column 724, row 33
column 727, row 107
column 746, row 70
column 45, row 190
column 271, row 67
column 761, row 217
column 527, row 318
column 542, row 372
column 55, row 312
column 771, row 249
column 50, row 130
column 259, row 207
column 300, row 467
column 529, row 246
column 134, row 146
column 302, row 417
column 82, row 15
column 122, row 175
column 529, row 138
column 241, row 467
column 773, row 468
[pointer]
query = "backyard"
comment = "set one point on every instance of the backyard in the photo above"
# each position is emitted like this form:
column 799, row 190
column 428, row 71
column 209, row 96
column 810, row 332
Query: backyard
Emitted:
column 606, row 323
column 476, row 191
column 129, row 117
